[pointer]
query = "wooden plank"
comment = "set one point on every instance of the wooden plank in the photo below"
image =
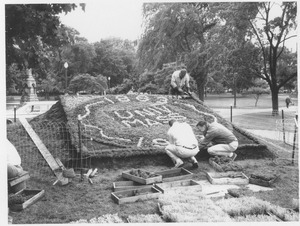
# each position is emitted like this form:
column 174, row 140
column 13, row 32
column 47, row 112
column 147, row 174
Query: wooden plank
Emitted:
column 185, row 184
column 41, row 147
column 38, row 194
column 19, row 179
column 128, row 185
column 135, row 195
column 175, row 174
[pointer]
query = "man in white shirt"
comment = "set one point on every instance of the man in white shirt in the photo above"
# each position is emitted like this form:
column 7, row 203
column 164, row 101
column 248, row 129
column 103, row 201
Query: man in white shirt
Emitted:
column 180, row 79
column 14, row 168
column 183, row 143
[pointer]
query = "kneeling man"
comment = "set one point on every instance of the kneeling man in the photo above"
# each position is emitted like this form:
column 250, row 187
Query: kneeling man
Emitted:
column 183, row 143
column 223, row 141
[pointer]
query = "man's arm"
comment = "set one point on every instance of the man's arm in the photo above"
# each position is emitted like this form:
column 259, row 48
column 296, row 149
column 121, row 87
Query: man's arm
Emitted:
column 173, row 81
column 207, row 139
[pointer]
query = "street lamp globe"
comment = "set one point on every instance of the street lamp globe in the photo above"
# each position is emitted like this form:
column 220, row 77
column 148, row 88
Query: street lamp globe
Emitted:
column 66, row 65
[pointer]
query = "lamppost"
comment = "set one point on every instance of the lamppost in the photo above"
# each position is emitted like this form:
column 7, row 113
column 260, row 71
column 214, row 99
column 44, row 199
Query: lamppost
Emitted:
column 66, row 65
column 108, row 82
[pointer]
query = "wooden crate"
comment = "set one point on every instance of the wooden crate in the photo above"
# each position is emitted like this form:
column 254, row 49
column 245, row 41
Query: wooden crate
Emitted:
column 175, row 174
column 35, row 195
column 165, row 186
column 230, row 177
column 128, row 185
column 135, row 195
column 150, row 180
column 261, row 182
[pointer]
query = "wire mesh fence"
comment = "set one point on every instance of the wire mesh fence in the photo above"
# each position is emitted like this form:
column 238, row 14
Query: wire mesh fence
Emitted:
column 56, row 138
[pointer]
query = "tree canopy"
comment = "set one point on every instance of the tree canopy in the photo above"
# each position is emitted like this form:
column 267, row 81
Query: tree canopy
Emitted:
column 29, row 28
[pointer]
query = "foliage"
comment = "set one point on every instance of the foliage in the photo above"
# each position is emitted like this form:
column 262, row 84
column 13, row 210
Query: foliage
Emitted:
column 259, row 89
column 87, row 83
column 29, row 27
column 176, row 32
column 79, row 57
column 115, row 58
column 271, row 40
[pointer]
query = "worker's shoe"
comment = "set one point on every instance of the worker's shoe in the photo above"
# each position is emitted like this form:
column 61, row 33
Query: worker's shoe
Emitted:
column 195, row 165
column 233, row 157
column 178, row 164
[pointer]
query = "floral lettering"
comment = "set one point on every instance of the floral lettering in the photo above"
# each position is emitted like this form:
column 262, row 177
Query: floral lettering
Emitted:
column 142, row 98
column 122, row 98
column 129, row 115
column 134, row 122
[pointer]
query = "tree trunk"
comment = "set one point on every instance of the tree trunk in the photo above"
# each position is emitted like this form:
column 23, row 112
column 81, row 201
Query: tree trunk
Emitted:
column 200, row 88
column 274, row 92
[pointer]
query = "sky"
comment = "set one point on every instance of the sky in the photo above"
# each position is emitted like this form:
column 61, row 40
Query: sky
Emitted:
column 103, row 19
column 116, row 18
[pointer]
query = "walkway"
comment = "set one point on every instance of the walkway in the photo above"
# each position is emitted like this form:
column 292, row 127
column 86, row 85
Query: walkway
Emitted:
column 271, row 134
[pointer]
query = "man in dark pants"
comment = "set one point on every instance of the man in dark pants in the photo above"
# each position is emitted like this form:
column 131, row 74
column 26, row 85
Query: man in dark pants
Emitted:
column 288, row 101
column 179, row 81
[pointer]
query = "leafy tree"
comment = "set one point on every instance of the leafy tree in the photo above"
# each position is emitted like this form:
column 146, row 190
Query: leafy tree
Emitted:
column 177, row 32
column 34, row 39
column 87, row 83
column 287, row 65
column 271, row 38
column 115, row 58
column 28, row 27
column 260, row 87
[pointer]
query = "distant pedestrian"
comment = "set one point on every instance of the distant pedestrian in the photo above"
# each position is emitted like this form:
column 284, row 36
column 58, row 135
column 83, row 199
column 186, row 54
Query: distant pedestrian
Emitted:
column 288, row 101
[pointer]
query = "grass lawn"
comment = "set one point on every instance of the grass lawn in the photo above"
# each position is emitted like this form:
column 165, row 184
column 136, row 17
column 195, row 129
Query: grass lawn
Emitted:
column 82, row 200
column 243, row 101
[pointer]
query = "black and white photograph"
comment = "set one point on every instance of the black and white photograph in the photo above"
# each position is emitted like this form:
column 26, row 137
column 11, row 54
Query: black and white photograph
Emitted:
column 135, row 111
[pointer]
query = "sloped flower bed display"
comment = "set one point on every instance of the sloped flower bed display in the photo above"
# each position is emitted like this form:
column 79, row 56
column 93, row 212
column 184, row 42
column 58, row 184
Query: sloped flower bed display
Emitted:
column 123, row 125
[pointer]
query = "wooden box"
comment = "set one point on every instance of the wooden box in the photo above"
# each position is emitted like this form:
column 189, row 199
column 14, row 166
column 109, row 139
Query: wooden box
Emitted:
column 175, row 174
column 128, row 185
column 165, row 186
column 31, row 197
column 261, row 182
column 230, row 177
column 141, row 180
column 134, row 195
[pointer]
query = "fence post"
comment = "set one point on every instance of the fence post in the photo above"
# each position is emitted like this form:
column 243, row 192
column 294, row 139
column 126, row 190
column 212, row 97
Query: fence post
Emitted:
column 15, row 113
column 231, row 113
column 295, row 135
column 80, row 146
column 283, row 130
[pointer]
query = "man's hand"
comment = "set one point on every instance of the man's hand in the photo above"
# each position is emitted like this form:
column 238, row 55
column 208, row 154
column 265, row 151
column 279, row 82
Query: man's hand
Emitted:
column 180, row 90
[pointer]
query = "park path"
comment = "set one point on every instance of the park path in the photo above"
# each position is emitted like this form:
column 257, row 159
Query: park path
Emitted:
column 271, row 134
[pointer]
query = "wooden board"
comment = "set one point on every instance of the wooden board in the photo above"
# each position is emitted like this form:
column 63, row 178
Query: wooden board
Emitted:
column 135, row 195
column 41, row 147
column 165, row 186
column 38, row 194
column 128, row 185
column 230, row 177
column 175, row 174
column 141, row 180
column 23, row 177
